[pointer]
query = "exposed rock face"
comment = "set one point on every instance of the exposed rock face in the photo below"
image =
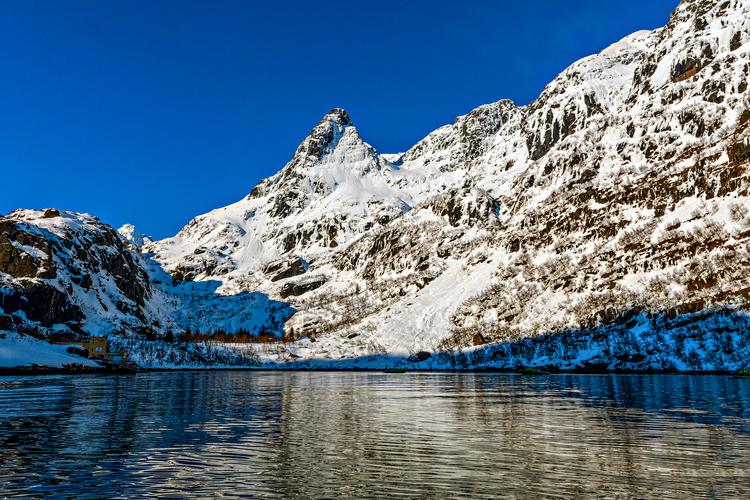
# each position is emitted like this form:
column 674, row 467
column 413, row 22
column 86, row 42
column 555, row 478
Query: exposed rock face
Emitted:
column 286, row 269
column 43, row 303
column 17, row 255
column 300, row 288
column 470, row 137
column 59, row 267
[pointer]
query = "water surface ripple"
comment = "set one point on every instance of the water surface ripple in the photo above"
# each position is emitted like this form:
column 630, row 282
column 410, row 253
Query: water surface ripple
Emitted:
column 373, row 435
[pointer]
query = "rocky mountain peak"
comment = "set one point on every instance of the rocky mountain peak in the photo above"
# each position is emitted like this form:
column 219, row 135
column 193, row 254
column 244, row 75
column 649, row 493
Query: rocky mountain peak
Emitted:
column 325, row 135
column 339, row 116
column 332, row 154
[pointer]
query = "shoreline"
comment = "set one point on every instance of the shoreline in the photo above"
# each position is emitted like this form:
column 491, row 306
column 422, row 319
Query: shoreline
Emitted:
column 46, row 370
column 42, row 371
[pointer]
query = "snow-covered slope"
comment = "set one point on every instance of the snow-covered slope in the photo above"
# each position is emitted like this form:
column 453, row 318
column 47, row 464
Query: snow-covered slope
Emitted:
column 335, row 187
column 18, row 350
column 620, row 193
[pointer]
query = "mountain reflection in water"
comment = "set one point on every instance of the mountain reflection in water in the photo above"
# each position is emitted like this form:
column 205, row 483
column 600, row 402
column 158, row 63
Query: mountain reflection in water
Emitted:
column 373, row 435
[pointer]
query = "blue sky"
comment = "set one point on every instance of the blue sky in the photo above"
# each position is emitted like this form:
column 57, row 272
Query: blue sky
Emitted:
column 155, row 111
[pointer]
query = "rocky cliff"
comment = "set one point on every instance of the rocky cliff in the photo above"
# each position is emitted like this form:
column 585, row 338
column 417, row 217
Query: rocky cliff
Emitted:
column 72, row 272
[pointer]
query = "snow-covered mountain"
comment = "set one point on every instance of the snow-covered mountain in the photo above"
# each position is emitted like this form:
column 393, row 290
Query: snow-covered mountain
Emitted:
column 571, row 201
column 335, row 188
column 73, row 273
column 132, row 236
column 618, row 198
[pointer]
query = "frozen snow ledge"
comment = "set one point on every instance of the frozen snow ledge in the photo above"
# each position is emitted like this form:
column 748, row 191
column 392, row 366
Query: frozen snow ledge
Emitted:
column 25, row 355
column 710, row 341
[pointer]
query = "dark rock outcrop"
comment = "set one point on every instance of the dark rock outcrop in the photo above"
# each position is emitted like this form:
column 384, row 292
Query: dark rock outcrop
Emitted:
column 297, row 289
column 40, row 302
column 285, row 269
column 24, row 254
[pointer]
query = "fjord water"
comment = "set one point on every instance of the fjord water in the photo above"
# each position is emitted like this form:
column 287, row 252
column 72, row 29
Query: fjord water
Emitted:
column 374, row 435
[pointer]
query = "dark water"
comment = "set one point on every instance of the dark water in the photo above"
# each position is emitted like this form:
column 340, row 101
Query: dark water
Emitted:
column 374, row 435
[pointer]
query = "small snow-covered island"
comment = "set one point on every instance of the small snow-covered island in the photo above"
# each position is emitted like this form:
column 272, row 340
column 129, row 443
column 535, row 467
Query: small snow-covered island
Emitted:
column 603, row 227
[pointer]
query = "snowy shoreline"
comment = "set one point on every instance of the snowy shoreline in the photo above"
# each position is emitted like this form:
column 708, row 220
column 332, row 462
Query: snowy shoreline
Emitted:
column 714, row 342
column 51, row 371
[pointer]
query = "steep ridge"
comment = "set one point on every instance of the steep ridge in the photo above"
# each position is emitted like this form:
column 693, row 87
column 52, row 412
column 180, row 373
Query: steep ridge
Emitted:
column 635, row 210
column 335, row 187
column 618, row 199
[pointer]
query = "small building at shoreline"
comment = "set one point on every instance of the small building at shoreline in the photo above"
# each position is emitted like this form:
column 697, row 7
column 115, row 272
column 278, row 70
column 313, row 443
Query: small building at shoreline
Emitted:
column 94, row 348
